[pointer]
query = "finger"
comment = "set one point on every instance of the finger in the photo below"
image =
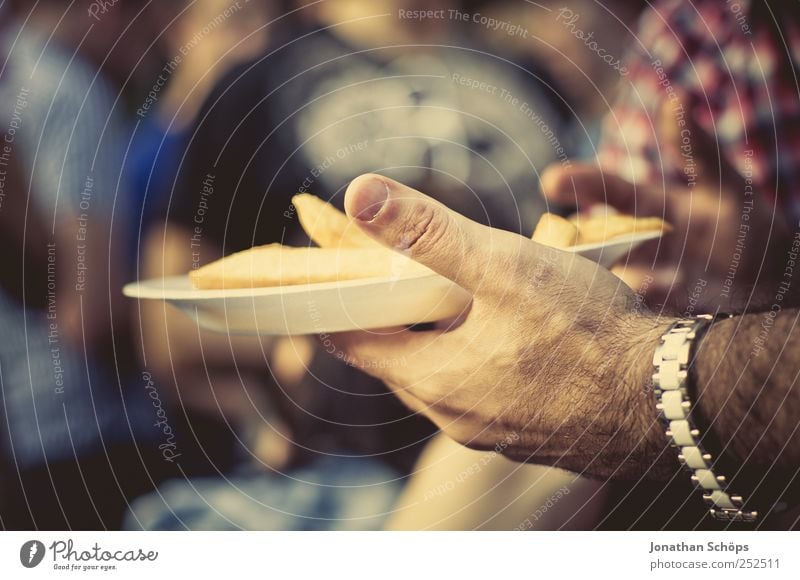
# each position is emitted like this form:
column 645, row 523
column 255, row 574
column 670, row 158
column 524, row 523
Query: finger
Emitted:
column 408, row 398
column 399, row 357
column 582, row 185
column 682, row 138
column 408, row 221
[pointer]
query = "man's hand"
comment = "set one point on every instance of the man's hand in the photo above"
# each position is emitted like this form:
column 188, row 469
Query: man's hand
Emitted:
column 715, row 235
column 726, row 239
column 551, row 365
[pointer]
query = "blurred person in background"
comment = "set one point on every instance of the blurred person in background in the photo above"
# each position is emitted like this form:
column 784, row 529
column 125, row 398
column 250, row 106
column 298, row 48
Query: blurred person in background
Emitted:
column 705, row 133
column 354, row 86
column 207, row 39
column 204, row 41
column 560, row 41
column 79, row 440
column 713, row 129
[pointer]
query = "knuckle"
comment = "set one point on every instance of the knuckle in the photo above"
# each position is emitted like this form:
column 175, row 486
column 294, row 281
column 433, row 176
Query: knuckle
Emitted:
column 423, row 228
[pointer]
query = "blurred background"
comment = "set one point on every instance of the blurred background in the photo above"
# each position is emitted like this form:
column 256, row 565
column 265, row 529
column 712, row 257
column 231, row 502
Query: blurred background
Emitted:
column 140, row 139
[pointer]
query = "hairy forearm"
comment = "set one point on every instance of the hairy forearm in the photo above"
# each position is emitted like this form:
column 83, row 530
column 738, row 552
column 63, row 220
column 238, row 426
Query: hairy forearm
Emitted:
column 746, row 376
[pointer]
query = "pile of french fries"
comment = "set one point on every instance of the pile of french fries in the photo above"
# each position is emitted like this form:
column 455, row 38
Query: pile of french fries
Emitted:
column 345, row 252
column 597, row 227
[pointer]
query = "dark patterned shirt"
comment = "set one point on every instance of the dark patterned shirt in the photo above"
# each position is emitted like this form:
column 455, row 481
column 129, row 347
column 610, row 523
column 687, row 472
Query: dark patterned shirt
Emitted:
column 734, row 71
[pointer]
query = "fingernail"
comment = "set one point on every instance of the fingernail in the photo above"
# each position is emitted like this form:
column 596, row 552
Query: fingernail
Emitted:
column 370, row 198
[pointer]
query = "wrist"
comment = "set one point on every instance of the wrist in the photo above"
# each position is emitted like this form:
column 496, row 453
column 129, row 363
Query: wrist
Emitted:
column 710, row 390
column 705, row 380
column 647, row 440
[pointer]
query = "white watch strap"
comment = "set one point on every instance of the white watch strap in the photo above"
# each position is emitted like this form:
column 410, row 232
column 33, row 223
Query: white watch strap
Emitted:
column 671, row 362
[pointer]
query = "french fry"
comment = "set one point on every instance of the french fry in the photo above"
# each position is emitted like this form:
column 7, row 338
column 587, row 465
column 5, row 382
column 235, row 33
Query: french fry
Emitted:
column 277, row 265
column 599, row 228
column 555, row 231
column 327, row 226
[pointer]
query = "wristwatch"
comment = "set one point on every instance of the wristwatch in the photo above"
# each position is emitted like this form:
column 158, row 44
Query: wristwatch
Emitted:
column 672, row 359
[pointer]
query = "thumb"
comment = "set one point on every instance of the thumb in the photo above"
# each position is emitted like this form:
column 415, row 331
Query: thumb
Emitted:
column 408, row 221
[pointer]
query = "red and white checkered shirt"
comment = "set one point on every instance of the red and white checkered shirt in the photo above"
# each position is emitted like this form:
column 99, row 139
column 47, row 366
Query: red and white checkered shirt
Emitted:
column 735, row 71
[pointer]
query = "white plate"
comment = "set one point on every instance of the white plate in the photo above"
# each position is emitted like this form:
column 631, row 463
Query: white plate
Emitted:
column 336, row 306
column 609, row 253
column 311, row 308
